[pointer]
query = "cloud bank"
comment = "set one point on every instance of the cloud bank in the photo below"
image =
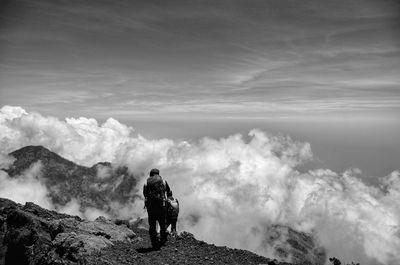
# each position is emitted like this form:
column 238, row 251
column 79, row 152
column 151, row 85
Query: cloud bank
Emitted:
column 231, row 189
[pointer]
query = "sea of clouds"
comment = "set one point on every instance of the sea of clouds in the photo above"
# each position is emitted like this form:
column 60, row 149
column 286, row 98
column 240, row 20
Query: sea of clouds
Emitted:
column 231, row 189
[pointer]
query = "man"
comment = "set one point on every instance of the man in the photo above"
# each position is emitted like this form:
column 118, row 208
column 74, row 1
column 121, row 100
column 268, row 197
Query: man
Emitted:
column 172, row 214
column 156, row 191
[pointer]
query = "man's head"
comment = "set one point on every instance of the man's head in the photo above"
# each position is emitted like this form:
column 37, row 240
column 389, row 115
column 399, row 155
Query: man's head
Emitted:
column 154, row 171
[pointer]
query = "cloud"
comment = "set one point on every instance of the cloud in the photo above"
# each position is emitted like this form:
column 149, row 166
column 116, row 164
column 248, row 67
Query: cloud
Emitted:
column 103, row 172
column 73, row 207
column 6, row 161
column 30, row 187
column 25, row 188
column 92, row 213
column 97, row 143
column 231, row 187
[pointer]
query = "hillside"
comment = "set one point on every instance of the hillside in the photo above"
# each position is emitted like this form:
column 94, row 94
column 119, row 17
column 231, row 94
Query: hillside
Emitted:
column 32, row 235
column 94, row 186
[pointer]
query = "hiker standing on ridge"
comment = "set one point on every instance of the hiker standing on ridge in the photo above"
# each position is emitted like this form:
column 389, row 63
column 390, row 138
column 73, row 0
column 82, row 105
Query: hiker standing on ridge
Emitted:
column 156, row 191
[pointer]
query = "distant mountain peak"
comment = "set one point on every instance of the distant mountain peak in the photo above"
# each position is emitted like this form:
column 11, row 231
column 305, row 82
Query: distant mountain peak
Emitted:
column 28, row 155
column 31, row 148
column 34, row 152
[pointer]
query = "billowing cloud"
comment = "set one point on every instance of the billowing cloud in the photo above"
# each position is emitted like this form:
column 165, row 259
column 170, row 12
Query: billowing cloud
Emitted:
column 96, row 143
column 25, row 188
column 231, row 189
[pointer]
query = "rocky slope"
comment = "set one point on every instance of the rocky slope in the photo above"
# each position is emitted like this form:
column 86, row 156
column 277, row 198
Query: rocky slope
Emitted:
column 32, row 235
column 297, row 246
column 286, row 243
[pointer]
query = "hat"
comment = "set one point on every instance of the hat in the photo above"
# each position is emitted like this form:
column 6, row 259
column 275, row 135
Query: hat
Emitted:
column 154, row 171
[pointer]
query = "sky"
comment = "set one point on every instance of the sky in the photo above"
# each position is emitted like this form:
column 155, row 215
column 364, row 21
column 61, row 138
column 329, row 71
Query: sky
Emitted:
column 325, row 72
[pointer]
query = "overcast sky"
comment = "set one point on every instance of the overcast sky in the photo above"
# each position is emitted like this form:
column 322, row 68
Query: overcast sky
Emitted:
column 202, row 58
column 283, row 60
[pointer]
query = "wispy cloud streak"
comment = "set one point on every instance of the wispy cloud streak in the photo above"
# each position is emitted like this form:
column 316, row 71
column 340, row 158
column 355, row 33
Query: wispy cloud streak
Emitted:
column 207, row 57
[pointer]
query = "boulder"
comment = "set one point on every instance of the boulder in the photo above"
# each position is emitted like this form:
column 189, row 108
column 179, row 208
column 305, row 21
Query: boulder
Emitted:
column 139, row 223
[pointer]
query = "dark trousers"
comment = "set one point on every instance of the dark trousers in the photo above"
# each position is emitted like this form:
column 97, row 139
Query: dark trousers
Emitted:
column 172, row 222
column 156, row 213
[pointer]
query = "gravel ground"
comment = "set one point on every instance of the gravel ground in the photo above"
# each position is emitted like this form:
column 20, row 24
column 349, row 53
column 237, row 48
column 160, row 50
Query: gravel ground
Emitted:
column 182, row 249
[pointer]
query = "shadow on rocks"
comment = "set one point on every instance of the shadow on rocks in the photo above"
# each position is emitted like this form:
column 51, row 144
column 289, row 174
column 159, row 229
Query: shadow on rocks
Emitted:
column 147, row 250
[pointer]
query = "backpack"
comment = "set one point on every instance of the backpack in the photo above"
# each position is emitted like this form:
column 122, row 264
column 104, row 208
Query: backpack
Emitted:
column 155, row 188
column 173, row 208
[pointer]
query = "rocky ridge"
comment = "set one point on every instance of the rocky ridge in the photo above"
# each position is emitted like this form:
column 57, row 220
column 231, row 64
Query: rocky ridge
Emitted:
column 32, row 235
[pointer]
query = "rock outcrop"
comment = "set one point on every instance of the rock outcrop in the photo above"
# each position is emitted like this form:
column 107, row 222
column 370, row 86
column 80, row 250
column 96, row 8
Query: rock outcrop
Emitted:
column 30, row 234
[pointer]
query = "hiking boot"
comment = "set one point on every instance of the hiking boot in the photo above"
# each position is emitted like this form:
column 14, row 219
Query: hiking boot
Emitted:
column 156, row 245
column 163, row 242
